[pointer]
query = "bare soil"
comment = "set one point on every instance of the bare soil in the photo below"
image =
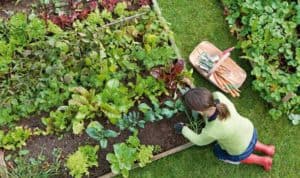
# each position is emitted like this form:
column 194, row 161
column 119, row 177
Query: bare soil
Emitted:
column 9, row 6
column 158, row 133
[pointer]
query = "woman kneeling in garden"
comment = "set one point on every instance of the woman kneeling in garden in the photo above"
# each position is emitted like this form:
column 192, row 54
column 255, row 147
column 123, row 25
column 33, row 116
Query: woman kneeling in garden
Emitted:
column 235, row 135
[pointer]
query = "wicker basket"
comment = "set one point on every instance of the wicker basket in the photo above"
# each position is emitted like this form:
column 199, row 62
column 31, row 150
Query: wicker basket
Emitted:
column 236, row 76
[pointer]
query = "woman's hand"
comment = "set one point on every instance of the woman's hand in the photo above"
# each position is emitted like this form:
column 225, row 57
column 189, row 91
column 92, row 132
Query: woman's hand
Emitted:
column 178, row 127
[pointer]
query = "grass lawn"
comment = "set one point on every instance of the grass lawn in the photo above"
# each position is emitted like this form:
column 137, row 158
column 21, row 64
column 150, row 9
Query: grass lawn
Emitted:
column 192, row 22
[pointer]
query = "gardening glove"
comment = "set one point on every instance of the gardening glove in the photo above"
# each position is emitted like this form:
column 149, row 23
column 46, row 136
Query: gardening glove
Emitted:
column 178, row 127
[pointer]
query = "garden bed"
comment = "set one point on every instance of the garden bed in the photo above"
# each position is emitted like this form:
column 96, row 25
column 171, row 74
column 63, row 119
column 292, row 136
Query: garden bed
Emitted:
column 96, row 70
column 159, row 133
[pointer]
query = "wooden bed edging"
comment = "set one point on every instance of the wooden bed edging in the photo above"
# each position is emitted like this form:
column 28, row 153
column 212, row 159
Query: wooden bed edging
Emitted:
column 179, row 56
column 156, row 157
column 3, row 169
column 165, row 24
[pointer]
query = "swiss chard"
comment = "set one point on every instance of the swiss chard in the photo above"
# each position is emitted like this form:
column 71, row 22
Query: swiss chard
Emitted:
column 114, row 100
column 169, row 74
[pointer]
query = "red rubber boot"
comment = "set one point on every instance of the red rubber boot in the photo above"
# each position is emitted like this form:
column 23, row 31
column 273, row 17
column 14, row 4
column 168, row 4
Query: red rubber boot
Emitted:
column 267, row 149
column 264, row 161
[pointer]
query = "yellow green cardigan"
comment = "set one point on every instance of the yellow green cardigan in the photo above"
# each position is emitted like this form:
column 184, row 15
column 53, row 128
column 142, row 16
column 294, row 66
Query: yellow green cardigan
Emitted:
column 233, row 133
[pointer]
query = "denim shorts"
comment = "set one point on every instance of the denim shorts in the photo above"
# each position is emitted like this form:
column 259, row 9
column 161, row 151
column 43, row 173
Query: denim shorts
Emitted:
column 223, row 155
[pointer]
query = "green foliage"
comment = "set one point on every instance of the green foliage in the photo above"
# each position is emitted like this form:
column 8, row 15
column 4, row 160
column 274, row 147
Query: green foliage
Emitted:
column 145, row 155
column 154, row 57
column 268, row 37
column 36, row 29
column 173, row 108
column 120, row 9
column 295, row 118
column 126, row 154
column 81, row 73
column 122, row 160
column 168, row 110
column 54, row 60
column 133, row 140
column 84, row 158
column 153, row 87
column 80, row 107
column 58, row 120
column 114, row 100
column 86, row 108
column 150, row 115
column 18, row 24
column 195, row 120
column 131, row 121
column 35, row 167
column 14, row 138
column 97, row 132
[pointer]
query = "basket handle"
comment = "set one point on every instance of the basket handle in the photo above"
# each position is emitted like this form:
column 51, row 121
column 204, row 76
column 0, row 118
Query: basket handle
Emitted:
column 216, row 66
column 224, row 55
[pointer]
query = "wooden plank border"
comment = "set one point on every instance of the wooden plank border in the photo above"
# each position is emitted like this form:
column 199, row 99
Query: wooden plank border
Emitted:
column 156, row 157
column 165, row 24
column 3, row 169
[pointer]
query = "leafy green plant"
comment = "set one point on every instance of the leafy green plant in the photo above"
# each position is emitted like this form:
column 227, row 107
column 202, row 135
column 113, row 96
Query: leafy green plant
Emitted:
column 145, row 155
column 126, row 154
column 158, row 113
column 267, row 31
column 195, row 120
column 114, row 100
column 79, row 162
column 131, row 121
column 122, row 160
column 154, row 88
column 173, row 108
column 80, row 107
column 157, row 149
column 35, row 167
column 97, row 132
column 14, row 138
column 295, row 118
column 58, row 120
column 154, row 57
column 150, row 115
column 87, row 108
column 79, row 73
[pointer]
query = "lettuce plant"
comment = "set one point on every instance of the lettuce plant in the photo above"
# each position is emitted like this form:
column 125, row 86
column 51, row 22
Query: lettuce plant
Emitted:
column 84, row 158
